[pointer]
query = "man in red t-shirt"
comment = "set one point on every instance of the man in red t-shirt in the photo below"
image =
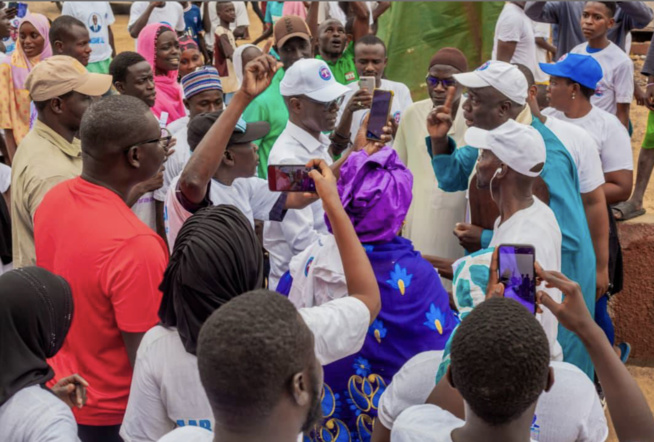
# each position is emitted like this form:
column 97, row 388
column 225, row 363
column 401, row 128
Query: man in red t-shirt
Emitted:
column 85, row 232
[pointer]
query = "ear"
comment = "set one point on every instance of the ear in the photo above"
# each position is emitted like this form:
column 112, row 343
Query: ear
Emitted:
column 505, row 107
column 133, row 157
column 611, row 22
column 57, row 105
column 300, row 388
column 119, row 87
column 533, row 92
column 228, row 159
column 448, row 376
column 550, row 379
column 296, row 105
column 58, row 46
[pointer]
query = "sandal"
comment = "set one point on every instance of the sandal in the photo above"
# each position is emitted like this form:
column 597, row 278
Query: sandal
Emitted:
column 625, row 350
column 626, row 210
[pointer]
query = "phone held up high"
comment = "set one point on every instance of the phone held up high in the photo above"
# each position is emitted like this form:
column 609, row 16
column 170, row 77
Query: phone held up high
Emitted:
column 290, row 178
column 21, row 8
column 517, row 273
column 379, row 112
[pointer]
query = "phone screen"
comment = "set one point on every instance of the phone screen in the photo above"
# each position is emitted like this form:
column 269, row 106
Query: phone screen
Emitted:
column 290, row 178
column 516, row 272
column 381, row 106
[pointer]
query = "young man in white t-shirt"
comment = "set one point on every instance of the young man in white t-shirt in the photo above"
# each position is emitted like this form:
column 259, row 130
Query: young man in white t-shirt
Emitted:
column 514, row 40
column 370, row 60
column 615, row 90
column 98, row 18
column 142, row 14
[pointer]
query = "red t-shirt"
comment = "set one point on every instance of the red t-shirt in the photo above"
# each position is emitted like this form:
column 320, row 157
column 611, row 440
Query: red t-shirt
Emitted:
column 114, row 264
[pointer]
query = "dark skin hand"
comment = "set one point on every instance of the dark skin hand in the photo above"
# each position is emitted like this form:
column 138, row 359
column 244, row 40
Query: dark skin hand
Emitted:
column 439, row 122
column 71, row 390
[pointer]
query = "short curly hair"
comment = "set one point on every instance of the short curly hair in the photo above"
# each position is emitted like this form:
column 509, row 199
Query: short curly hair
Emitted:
column 500, row 360
column 248, row 352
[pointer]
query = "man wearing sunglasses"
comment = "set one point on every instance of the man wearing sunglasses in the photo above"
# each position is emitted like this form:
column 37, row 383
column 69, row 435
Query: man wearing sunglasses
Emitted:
column 61, row 90
column 370, row 60
column 433, row 212
column 313, row 98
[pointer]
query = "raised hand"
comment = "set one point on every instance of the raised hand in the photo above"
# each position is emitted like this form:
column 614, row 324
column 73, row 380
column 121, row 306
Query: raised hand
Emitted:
column 439, row 120
column 469, row 236
column 361, row 99
column 361, row 142
column 494, row 289
column 259, row 73
column 325, row 181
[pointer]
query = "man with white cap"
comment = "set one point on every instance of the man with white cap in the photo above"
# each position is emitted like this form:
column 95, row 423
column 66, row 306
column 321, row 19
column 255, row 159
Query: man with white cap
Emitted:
column 313, row 97
column 61, row 89
column 497, row 92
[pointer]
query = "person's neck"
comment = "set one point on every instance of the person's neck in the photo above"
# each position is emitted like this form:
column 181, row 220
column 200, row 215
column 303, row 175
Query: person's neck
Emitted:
column 511, row 198
column 476, row 430
column 66, row 133
column 224, row 24
column 315, row 134
column 277, row 427
column 103, row 176
column 224, row 176
column 600, row 42
column 579, row 108
column 330, row 56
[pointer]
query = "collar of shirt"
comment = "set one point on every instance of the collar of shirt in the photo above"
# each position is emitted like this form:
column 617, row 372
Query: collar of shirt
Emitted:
column 305, row 139
column 73, row 149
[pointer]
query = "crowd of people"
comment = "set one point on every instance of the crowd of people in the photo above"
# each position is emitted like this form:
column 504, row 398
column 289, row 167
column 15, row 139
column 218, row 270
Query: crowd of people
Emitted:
column 156, row 289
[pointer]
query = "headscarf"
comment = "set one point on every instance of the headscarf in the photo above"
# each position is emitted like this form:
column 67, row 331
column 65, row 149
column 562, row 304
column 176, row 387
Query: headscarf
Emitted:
column 186, row 42
column 216, row 257
column 35, row 316
column 376, row 194
column 20, row 64
column 169, row 93
column 238, row 61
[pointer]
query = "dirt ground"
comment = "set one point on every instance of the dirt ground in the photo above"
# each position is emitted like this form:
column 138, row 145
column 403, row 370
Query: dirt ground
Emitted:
column 643, row 373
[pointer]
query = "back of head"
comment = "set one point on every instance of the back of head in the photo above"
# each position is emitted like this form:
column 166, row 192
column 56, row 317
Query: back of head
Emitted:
column 371, row 40
column 500, row 360
column 376, row 194
column 121, row 63
column 61, row 27
column 529, row 75
column 248, row 352
column 216, row 257
column 35, row 315
column 450, row 57
column 112, row 124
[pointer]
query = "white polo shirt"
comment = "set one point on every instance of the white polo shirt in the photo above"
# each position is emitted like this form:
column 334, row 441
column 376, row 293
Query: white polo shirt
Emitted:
column 300, row 228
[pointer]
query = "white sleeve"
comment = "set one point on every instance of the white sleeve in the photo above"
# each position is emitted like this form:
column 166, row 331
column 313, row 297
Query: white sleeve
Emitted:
column 135, row 11
column 67, row 9
column 262, row 199
column 594, row 427
column 616, row 151
column 242, row 18
column 410, row 386
column 145, row 417
column 339, row 328
column 174, row 215
column 181, row 24
column 54, row 424
column 624, row 82
column 507, row 29
column 591, row 175
column 298, row 230
column 110, row 19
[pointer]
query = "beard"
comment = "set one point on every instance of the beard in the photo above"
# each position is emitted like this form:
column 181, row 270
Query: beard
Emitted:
column 315, row 411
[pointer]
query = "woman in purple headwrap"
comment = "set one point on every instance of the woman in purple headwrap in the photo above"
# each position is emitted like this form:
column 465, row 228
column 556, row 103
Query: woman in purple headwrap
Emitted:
column 415, row 315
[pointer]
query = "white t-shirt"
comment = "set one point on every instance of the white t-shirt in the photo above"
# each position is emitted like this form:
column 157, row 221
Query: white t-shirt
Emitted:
column 172, row 13
column 542, row 30
column 583, row 150
column 401, row 101
column 194, row 434
column 415, row 381
column 166, row 390
column 513, row 25
column 97, row 16
column 242, row 19
column 617, row 85
column 175, row 163
column 610, row 135
column 36, row 415
column 250, row 195
column 146, row 211
column 537, row 226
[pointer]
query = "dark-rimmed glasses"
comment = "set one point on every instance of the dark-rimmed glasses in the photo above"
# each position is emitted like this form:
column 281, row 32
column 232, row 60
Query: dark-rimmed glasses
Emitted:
column 328, row 105
column 163, row 141
column 434, row 81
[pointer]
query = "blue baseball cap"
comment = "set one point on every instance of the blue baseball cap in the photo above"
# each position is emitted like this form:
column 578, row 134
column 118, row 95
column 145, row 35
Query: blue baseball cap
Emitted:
column 582, row 69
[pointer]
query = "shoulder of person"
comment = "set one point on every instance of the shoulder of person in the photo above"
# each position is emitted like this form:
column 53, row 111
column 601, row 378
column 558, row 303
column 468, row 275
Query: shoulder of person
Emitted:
column 189, row 433
column 158, row 335
column 426, row 420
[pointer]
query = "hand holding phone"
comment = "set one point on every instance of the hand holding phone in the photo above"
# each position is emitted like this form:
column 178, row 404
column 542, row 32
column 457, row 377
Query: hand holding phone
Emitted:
column 379, row 112
column 367, row 83
column 290, row 178
column 516, row 272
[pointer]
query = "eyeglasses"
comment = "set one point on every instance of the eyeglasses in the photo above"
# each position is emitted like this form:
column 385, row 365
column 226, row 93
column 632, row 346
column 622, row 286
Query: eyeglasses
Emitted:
column 163, row 141
column 328, row 105
column 434, row 81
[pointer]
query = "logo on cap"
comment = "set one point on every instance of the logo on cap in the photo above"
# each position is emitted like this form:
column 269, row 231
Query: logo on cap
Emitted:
column 325, row 73
column 562, row 57
column 484, row 66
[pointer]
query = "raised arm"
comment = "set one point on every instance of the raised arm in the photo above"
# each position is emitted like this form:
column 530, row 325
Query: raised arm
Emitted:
column 312, row 20
column 140, row 23
column 629, row 410
column 359, row 276
column 361, row 24
column 638, row 12
column 543, row 12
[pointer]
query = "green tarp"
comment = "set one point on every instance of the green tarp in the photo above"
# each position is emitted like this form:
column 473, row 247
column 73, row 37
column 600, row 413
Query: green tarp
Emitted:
column 414, row 31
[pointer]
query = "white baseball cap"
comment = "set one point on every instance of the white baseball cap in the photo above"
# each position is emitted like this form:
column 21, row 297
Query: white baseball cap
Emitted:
column 502, row 76
column 313, row 78
column 517, row 145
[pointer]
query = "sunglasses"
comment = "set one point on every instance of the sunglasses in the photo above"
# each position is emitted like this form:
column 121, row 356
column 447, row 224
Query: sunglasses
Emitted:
column 163, row 140
column 434, row 81
column 328, row 105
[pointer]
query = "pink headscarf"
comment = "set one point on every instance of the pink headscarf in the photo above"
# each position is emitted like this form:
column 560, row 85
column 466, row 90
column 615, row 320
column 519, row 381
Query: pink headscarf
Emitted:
column 20, row 64
column 169, row 93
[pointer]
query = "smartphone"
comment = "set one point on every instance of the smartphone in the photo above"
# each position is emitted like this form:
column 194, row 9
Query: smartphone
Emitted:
column 516, row 272
column 367, row 83
column 379, row 111
column 20, row 7
column 290, row 178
